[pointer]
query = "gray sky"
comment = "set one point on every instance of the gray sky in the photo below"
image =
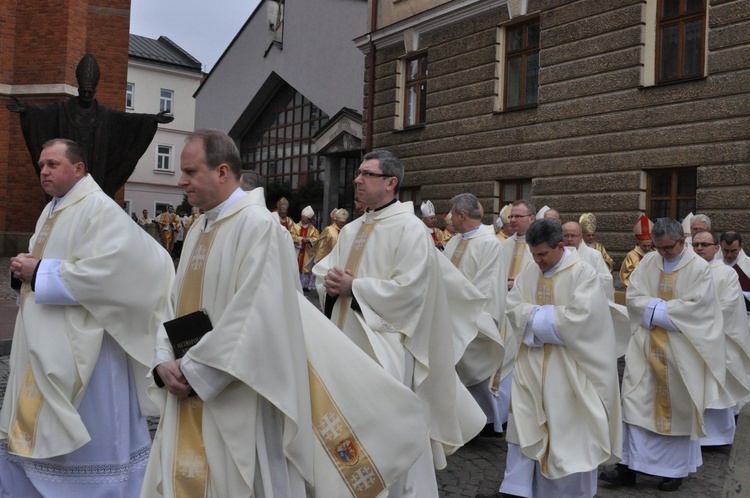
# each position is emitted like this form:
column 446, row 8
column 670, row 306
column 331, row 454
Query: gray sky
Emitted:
column 202, row 28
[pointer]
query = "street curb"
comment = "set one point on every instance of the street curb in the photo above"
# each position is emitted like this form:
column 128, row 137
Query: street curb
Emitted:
column 737, row 477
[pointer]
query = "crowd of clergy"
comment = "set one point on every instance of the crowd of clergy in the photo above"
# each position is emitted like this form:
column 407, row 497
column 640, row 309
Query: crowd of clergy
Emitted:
column 432, row 332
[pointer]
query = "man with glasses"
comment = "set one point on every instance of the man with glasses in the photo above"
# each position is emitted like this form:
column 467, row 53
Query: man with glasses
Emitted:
column 384, row 286
column 734, row 256
column 719, row 417
column 516, row 255
column 674, row 362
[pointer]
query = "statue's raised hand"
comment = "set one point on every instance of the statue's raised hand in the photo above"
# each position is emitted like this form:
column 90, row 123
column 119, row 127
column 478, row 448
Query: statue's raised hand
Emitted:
column 17, row 106
column 163, row 118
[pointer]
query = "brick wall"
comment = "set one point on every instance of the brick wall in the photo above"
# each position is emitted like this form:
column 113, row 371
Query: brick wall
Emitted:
column 45, row 40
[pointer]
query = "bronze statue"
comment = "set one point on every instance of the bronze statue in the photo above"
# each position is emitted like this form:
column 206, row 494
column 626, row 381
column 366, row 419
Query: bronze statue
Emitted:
column 114, row 140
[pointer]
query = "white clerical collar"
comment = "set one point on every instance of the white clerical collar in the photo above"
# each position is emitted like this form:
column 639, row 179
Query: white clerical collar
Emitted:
column 57, row 200
column 213, row 214
column 468, row 234
column 732, row 263
column 551, row 271
column 669, row 266
column 521, row 239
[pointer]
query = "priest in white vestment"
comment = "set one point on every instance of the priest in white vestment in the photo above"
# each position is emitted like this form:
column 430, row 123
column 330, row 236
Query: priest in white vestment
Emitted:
column 94, row 289
column 268, row 417
column 719, row 417
column 734, row 256
column 516, row 257
column 573, row 238
column 476, row 252
column 382, row 286
column 565, row 414
column 675, row 363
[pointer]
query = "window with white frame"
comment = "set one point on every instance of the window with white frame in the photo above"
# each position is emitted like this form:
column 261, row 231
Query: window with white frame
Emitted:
column 411, row 109
column 129, row 95
column 166, row 98
column 164, row 158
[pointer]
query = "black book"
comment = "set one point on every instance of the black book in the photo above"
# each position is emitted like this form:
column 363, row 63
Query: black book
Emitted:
column 185, row 332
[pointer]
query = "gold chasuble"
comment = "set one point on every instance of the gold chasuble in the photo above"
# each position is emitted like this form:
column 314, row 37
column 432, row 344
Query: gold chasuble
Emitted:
column 190, row 470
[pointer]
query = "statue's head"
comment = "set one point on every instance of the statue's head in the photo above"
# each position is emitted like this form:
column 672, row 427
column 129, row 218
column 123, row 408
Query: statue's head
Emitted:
column 87, row 74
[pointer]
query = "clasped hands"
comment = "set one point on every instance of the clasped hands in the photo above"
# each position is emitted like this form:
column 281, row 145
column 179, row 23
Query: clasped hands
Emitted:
column 173, row 378
column 22, row 267
column 338, row 282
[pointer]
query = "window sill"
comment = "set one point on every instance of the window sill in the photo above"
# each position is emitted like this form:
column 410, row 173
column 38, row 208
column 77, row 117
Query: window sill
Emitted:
column 410, row 128
column 517, row 109
column 162, row 172
column 674, row 82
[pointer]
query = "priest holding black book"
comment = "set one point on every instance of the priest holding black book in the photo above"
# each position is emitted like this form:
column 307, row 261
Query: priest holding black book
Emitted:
column 244, row 410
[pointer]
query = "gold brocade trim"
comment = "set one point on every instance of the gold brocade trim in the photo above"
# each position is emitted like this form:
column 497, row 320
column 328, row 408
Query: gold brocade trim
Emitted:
column 341, row 443
column 458, row 254
column 658, row 360
column 352, row 264
column 544, row 296
column 190, row 469
column 192, row 285
column 22, row 437
column 515, row 261
column 40, row 243
column 190, row 472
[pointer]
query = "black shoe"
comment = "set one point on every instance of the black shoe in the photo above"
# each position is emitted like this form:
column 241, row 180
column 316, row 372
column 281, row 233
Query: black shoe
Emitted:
column 669, row 484
column 498, row 495
column 619, row 476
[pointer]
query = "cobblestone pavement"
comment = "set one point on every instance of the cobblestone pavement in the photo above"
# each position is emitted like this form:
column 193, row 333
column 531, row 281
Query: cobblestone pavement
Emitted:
column 478, row 467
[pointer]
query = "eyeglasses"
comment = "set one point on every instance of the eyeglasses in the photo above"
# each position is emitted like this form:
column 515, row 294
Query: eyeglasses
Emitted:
column 370, row 174
column 666, row 248
column 571, row 236
column 703, row 244
column 517, row 216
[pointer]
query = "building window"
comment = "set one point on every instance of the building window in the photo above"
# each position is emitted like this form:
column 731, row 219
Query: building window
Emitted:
column 279, row 145
column 511, row 191
column 129, row 95
column 165, row 101
column 413, row 194
column 160, row 207
column 164, row 158
column 671, row 193
column 415, row 90
column 680, row 39
column 521, row 65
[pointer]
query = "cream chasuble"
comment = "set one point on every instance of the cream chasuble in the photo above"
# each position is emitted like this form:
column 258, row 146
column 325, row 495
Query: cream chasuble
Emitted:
column 409, row 311
column 667, row 390
column 618, row 312
column 517, row 256
column 479, row 259
column 565, row 410
column 737, row 383
column 340, row 436
column 120, row 277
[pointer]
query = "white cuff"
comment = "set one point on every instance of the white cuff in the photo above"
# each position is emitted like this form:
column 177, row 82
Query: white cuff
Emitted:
column 648, row 314
column 49, row 287
column 206, row 381
column 661, row 317
column 540, row 329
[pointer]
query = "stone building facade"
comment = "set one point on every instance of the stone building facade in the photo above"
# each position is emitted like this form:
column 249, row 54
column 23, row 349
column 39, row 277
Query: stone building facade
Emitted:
column 41, row 43
column 631, row 108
